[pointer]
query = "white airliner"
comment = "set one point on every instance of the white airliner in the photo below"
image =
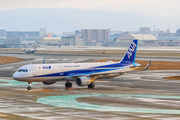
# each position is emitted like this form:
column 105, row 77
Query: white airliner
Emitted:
column 83, row 73
column 29, row 50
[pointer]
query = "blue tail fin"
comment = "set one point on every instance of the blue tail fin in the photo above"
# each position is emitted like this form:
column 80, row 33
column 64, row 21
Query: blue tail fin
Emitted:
column 130, row 55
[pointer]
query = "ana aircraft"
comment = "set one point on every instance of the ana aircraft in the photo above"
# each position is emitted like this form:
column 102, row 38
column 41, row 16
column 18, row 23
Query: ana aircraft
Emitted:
column 83, row 73
column 29, row 50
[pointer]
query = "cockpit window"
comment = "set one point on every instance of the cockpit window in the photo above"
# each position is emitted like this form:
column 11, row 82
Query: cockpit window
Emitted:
column 22, row 70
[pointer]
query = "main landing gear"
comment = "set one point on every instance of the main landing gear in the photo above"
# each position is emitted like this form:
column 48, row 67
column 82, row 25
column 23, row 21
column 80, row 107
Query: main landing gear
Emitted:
column 68, row 84
column 92, row 85
column 29, row 87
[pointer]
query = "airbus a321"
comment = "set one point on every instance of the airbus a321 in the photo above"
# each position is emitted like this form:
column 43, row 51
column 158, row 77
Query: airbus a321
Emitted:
column 83, row 73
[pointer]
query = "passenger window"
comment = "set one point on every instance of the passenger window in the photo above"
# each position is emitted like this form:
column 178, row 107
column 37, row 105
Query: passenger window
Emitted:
column 24, row 70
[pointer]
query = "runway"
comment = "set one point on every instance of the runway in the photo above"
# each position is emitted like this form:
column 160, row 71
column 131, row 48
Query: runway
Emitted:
column 139, row 95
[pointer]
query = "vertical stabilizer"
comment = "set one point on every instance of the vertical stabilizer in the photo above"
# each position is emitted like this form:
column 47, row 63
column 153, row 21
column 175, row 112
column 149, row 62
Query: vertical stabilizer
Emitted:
column 130, row 55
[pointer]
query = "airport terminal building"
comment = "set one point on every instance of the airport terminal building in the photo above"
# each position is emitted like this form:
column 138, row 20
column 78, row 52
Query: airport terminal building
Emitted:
column 24, row 35
column 75, row 40
column 93, row 36
column 52, row 41
column 61, row 41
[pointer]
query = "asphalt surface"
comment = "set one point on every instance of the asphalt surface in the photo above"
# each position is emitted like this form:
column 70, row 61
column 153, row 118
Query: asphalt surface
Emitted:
column 18, row 103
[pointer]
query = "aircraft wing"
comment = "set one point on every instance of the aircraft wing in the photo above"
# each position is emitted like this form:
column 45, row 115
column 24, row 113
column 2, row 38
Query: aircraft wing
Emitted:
column 118, row 72
column 96, row 75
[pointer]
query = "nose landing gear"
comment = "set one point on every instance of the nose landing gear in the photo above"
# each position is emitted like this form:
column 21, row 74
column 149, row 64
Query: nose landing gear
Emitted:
column 29, row 87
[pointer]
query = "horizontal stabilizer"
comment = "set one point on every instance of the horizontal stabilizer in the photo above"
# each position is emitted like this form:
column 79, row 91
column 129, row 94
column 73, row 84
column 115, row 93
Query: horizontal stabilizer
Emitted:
column 147, row 66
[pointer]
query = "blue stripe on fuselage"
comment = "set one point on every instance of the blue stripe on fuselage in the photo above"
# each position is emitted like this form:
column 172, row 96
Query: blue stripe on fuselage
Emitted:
column 86, row 71
column 115, row 65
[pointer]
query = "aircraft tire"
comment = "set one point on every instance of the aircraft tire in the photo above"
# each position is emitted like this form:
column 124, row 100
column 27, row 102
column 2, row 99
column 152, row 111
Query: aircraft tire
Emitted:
column 29, row 88
column 68, row 84
column 92, row 85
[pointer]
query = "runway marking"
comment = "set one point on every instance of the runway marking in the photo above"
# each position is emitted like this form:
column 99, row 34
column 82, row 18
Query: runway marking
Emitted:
column 69, row 101
column 6, row 68
column 35, row 90
column 13, row 83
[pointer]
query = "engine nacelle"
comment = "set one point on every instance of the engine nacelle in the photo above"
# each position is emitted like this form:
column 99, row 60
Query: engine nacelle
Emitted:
column 49, row 82
column 83, row 81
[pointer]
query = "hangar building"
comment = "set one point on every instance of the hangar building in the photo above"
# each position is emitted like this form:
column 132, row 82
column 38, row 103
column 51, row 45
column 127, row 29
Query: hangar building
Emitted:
column 144, row 40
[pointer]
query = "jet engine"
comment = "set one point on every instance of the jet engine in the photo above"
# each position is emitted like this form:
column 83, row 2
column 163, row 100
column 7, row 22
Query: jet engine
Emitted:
column 83, row 81
column 49, row 82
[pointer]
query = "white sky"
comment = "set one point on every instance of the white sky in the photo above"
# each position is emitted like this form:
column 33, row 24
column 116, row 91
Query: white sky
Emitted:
column 165, row 8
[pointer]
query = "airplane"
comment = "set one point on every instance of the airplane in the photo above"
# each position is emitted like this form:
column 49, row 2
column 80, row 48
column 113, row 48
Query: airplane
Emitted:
column 83, row 73
column 29, row 50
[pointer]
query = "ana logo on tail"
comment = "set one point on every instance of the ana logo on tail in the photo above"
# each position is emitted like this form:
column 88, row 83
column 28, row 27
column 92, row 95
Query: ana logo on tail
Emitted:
column 131, row 50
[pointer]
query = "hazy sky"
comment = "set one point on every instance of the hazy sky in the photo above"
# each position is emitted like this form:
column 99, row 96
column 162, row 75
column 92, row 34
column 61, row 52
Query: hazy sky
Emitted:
column 165, row 8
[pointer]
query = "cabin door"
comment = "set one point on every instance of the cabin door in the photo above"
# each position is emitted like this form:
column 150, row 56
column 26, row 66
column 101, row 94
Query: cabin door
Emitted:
column 34, row 70
column 61, row 70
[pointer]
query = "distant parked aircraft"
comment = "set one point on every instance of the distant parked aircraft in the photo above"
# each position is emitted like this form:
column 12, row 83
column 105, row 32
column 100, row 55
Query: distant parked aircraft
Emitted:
column 29, row 50
column 83, row 73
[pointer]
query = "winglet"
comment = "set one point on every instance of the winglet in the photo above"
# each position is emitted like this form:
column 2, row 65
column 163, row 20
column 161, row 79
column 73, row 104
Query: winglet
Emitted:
column 146, row 68
column 43, row 61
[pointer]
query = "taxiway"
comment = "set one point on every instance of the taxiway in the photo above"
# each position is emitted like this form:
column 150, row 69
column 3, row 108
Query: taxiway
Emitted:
column 141, row 95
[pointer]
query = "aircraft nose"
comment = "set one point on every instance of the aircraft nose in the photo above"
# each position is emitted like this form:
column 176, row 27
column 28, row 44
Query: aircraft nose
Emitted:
column 15, row 76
